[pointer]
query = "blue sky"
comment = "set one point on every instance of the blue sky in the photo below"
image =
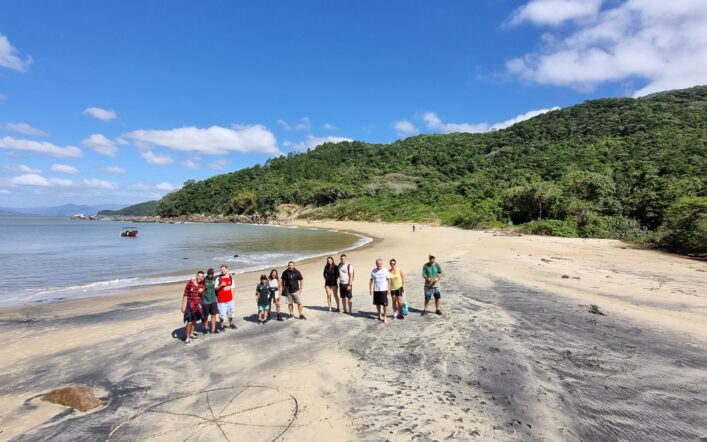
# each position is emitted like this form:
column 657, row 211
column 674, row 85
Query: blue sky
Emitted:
column 122, row 101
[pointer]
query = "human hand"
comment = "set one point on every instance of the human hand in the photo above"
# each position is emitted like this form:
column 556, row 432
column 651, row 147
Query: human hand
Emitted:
column 183, row 310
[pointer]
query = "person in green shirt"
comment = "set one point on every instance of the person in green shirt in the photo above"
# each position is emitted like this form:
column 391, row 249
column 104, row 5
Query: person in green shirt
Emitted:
column 262, row 297
column 432, row 273
column 209, row 303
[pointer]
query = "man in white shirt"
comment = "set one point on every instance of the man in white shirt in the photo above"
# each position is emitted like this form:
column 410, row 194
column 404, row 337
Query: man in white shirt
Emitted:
column 379, row 288
column 346, row 277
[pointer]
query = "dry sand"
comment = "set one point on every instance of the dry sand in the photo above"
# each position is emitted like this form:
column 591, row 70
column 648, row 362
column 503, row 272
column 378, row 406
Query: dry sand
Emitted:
column 517, row 354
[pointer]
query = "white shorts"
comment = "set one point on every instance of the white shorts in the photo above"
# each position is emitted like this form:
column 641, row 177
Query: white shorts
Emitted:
column 225, row 309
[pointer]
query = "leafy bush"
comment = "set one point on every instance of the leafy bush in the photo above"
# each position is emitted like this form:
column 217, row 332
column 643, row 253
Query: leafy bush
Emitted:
column 550, row 227
column 614, row 227
column 685, row 227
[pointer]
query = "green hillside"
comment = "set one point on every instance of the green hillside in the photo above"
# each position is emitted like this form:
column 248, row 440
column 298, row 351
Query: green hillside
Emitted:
column 604, row 168
column 143, row 209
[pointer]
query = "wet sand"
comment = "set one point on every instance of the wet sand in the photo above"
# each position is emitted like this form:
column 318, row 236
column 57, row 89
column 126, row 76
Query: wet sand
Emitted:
column 519, row 354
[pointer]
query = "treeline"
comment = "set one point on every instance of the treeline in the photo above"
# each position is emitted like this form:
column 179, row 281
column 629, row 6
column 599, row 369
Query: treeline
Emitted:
column 632, row 169
column 142, row 209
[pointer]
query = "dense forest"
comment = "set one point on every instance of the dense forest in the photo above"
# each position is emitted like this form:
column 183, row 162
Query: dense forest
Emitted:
column 143, row 209
column 633, row 169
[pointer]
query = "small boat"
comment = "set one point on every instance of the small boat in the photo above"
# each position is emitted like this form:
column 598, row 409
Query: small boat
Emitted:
column 129, row 232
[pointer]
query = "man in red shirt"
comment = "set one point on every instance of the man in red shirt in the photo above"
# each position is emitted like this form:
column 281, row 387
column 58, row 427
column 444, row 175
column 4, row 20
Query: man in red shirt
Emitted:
column 191, row 305
column 225, row 284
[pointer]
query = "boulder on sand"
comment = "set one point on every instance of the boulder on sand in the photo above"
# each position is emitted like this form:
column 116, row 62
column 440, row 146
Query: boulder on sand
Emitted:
column 79, row 397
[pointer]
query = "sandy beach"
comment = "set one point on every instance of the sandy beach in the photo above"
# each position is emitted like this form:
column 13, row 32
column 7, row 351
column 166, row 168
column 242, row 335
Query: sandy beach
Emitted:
column 519, row 354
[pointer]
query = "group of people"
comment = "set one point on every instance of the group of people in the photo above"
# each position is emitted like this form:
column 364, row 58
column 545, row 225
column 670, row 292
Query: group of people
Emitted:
column 209, row 299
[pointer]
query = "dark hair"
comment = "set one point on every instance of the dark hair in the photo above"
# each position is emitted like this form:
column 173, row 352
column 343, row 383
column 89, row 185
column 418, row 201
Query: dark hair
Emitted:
column 274, row 270
column 210, row 272
column 393, row 260
column 333, row 264
column 291, row 262
column 200, row 272
column 263, row 277
column 343, row 255
column 223, row 265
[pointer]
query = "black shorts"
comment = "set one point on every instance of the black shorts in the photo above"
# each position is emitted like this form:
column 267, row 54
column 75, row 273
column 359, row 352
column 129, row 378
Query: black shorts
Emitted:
column 380, row 298
column 210, row 309
column 398, row 292
column 345, row 291
column 273, row 294
column 330, row 284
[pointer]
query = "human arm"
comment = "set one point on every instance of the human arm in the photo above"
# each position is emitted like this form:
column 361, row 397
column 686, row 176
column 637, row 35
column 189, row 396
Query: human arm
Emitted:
column 184, row 298
column 370, row 285
column 351, row 275
column 402, row 279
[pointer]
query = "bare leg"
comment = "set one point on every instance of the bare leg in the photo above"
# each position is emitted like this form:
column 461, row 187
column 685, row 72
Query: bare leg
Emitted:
column 378, row 308
column 277, row 306
column 328, row 296
column 350, row 301
column 335, row 291
column 299, row 307
column 213, row 323
column 385, row 314
column 436, row 304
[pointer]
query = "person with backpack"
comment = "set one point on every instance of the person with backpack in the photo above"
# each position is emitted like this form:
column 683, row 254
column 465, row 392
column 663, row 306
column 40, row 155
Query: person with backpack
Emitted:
column 432, row 273
column 346, row 278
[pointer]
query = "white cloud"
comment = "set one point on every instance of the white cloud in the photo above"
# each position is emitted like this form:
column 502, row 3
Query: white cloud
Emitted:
column 328, row 126
column 63, row 168
column 156, row 158
column 555, row 12
column 663, row 44
column 5, row 192
column 25, row 128
column 162, row 187
column 313, row 141
column 32, row 179
column 10, row 58
column 100, row 184
column 436, row 124
column 405, row 128
column 39, row 147
column 113, row 169
column 303, row 124
column 214, row 140
column 100, row 113
column 191, row 164
column 166, row 186
column 284, row 124
column 218, row 164
column 25, row 169
column 101, row 144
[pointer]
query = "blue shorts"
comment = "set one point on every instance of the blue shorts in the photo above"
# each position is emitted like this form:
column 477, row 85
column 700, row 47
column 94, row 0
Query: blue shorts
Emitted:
column 430, row 292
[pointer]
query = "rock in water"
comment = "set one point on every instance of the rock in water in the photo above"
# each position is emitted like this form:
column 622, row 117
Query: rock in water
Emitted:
column 79, row 397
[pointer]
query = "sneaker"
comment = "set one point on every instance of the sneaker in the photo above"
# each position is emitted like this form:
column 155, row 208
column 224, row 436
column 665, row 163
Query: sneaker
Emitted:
column 292, row 316
column 302, row 317
column 338, row 310
column 394, row 316
column 424, row 312
column 439, row 312
column 194, row 336
column 217, row 331
column 401, row 317
column 279, row 318
column 232, row 326
column 187, row 341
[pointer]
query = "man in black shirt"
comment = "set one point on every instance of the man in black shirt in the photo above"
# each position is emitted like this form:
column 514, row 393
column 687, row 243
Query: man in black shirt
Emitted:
column 292, row 285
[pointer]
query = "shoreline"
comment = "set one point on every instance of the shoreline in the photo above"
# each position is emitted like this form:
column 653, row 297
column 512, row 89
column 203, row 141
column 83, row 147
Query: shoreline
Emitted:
column 518, row 354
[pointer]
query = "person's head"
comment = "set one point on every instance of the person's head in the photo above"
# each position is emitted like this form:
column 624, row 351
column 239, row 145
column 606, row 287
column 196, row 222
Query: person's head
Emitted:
column 273, row 274
column 210, row 273
column 199, row 276
column 329, row 261
column 393, row 263
column 432, row 259
column 344, row 258
column 263, row 279
column 291, row 265
column 379, row 263
column 224, row 269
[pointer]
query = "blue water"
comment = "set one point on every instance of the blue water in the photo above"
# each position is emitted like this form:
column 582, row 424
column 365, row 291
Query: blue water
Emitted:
column 46, row 258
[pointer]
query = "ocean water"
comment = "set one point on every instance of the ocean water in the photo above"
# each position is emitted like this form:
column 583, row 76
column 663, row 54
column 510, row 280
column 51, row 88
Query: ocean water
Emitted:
column 47, row 258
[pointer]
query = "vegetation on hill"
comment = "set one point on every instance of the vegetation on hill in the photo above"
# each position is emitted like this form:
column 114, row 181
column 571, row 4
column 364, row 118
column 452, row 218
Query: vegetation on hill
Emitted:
column 610, row 168
column 143, row 209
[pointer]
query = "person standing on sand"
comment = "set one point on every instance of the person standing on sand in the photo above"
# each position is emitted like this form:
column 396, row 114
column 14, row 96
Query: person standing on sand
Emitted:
column 331, row 286
column 346, row 278
column 191, row 305
column 274, row 286
column 379, row 288
column 225, row 285
column 209, row 302
column 262, row 297
column 432, row 272
column 293, row 283
column 397, row 289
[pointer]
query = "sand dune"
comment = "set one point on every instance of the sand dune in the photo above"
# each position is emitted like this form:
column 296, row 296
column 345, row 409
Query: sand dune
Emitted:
column 520, row 353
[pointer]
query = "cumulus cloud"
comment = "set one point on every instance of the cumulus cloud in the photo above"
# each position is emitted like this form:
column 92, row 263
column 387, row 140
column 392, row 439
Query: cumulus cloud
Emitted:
column 163, row 187
column 42, row 147
column 100, row 113
column 405, row 128
column 24, row 169
column 101, row 144
column 63, row 168
column 156, row 158
column 436, row 124
column 25, row 128
column 191, row 164
column 32, row 179
column 113, row 169
column 218, row 164
column 661, row 44
column 328, row 126
column 100, row 184
column 555, row 12
column 313, row 141
column 214, row 140
column 169, row 187
column 10, row 57
column 303, row 124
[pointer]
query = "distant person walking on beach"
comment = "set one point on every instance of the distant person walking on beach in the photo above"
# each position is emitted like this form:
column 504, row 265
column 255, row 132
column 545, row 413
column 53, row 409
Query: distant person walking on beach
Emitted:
column 274, row 286
column 262, row 297
column 331, row 284
column 191, row 305
column 379, row 288
column 432, row 272
column 397, row 289
column 209, row 303
column 293, row 284
column 346, row 278
column 225, row 285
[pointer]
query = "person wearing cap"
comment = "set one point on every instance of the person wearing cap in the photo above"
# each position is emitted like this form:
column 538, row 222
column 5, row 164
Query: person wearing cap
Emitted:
column 262, row 296
column 209, row 303
column 432, row 273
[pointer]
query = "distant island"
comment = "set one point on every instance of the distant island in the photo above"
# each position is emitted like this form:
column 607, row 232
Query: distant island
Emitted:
column 62, row 210
column 142, row 209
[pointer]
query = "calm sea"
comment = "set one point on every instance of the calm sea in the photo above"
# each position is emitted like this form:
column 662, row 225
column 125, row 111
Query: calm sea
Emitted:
column 47, row 258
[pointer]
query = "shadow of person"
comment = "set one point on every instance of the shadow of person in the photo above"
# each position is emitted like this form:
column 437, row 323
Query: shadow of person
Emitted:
column 251, row 318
